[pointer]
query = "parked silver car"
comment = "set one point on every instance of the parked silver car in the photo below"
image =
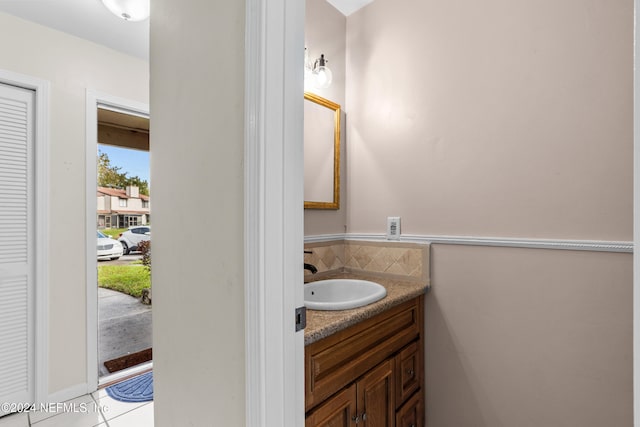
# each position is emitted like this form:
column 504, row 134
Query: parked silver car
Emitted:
column 133, row 236
column 108, row 248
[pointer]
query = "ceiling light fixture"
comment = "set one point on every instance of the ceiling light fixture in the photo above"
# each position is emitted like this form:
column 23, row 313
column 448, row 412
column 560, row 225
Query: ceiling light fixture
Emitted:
column 129, row 10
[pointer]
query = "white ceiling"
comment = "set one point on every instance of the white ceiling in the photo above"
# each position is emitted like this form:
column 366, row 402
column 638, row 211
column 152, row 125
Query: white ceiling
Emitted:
column 347, row 7
column 88, row 19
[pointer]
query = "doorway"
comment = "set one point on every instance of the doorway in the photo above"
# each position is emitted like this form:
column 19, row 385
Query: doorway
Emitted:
column 123, row 220
column 118, row 209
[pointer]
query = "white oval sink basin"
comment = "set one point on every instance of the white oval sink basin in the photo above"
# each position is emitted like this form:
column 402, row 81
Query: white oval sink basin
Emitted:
column 341, row 294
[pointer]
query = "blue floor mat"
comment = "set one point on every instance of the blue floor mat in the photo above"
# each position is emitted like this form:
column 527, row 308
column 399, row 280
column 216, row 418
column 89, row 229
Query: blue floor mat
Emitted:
column 136, row 389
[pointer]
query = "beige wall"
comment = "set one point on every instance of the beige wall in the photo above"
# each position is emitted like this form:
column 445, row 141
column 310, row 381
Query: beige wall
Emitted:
column 492, row 118
column 325, row 33
column 72, row 66
column 527, row 337
column 132, row 204
column 504, row 119
column 197, row 133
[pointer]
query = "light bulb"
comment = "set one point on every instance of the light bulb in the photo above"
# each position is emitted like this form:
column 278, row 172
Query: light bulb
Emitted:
column 323, row 77
column 129, row 10
column 322, row 74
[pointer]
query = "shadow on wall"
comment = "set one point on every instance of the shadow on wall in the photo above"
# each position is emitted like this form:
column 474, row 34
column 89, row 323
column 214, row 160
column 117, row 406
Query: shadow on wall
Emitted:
column 446, row 375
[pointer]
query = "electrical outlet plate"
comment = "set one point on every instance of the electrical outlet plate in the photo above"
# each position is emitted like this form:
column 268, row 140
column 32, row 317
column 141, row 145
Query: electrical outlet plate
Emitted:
column 393, row 228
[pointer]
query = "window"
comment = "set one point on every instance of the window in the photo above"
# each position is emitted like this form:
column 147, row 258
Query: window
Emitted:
column 123, row 203
column 145, row 204
column 132, row 221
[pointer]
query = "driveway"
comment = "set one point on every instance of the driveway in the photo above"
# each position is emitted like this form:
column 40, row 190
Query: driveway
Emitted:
column 124, row 326
column 123, row 260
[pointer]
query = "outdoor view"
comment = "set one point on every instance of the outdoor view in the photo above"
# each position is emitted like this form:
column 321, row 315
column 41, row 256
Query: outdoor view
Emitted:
column 123, row 221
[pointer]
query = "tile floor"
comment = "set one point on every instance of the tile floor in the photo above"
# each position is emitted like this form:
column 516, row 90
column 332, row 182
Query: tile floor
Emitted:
column 96, row 409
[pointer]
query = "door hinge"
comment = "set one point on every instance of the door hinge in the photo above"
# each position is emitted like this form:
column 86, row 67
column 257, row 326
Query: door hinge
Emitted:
column 301, row 318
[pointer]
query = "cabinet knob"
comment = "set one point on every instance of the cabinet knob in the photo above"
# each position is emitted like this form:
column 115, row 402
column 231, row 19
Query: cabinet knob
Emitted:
column 357, row 418
column 410, row 372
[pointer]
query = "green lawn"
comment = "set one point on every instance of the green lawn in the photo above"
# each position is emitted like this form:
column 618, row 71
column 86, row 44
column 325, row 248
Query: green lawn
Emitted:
column 129, row 279
column 113, row 232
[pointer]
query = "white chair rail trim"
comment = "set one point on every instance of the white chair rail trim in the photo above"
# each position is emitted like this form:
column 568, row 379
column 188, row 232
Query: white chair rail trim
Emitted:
column 507, row 242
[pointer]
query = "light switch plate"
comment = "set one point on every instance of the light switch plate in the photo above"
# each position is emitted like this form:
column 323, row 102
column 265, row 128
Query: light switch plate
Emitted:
column 393, row 228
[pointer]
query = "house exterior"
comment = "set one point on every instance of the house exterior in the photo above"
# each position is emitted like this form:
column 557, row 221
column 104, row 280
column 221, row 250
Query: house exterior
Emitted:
column 118, row 208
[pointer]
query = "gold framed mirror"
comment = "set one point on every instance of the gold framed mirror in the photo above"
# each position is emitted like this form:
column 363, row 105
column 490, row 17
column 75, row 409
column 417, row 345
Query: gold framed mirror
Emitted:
column 321, row 153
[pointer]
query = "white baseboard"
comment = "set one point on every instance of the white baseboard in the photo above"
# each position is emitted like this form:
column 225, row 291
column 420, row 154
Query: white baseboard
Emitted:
column 68, row 393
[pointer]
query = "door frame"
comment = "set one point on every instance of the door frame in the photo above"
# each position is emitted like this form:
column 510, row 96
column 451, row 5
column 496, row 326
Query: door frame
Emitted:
column 636, row 217
column 274, row 231
column 40, row 377
column 95, row 100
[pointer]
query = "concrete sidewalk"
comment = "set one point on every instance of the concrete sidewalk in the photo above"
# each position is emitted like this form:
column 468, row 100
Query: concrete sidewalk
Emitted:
column 124, row 326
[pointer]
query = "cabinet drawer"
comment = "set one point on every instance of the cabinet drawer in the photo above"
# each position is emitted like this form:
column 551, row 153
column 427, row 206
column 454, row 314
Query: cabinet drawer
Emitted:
column 341, row 358
column 408, row 372
column 411, row 414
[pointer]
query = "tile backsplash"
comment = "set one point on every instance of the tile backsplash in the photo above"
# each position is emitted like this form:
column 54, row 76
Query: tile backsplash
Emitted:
column 393, row 259
column 326, row 256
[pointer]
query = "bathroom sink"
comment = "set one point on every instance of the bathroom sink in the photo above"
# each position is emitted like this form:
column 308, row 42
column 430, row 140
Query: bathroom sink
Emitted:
column 341, row 294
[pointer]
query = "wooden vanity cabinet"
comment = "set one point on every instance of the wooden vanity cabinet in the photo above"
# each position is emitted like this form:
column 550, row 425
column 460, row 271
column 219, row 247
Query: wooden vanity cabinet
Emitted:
column 369, row 374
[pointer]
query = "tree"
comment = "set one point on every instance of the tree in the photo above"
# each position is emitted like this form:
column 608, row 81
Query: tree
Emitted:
column 110, row 176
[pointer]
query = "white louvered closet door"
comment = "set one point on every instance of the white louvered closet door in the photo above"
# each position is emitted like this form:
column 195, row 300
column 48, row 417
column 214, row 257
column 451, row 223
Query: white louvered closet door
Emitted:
column 16, row 245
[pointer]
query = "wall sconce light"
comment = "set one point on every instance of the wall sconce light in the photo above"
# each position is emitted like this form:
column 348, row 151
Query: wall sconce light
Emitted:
column 319, row 75
column 129, row 10
column 322, row 73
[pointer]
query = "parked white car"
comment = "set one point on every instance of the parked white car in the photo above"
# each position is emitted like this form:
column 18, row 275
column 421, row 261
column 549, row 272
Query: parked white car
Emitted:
column 133, row 236
column 108, row 248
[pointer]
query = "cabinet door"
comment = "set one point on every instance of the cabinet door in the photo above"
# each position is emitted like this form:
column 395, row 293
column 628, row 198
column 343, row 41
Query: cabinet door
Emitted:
column 338, row 411
column 376, row 403
column 411, row 414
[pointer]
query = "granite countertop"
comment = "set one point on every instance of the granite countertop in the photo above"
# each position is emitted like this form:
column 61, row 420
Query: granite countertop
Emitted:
column 321, row 323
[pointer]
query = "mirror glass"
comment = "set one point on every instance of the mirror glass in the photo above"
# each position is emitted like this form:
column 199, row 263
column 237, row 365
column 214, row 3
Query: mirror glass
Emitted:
column 321, row 153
